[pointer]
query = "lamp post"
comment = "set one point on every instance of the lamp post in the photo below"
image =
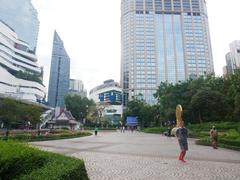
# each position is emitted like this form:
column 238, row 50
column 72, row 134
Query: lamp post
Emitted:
column 85, row 119
column 80, row 118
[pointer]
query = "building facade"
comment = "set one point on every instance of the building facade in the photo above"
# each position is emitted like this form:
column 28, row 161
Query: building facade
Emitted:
column 76, row 87
column 225, row 71
column 59, row 73
column 162, row 41
column 235, row 53
column 233, row 57
column 23, row 18
column 20, row 75
column 108, row 98
column 229, row 63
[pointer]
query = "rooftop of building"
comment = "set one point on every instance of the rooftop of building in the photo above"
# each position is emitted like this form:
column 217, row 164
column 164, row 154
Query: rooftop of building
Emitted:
column 107, row 83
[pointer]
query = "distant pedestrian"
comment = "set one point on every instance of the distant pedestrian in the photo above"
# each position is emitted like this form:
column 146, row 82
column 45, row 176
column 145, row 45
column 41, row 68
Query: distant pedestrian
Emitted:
column 169, row 131
column 214, row 137
column 182, row 134
column 96, row 131
column 132, row 128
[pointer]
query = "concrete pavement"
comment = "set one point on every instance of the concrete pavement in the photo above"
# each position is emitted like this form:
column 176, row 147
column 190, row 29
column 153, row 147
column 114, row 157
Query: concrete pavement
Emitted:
column 115, row 155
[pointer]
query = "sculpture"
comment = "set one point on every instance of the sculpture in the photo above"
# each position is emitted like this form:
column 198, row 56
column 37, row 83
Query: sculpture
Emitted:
column 179, row 111
column 179, row 115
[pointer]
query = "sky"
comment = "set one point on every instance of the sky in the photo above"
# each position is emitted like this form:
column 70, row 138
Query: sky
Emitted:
column 91, row 33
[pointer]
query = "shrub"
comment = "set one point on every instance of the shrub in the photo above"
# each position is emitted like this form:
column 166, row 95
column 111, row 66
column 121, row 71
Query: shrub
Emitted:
column 225, row 143
column 28, row 137
column 232, row 134
column 155, row 130
column 221, row 126
column 16, row 159
column 60, row 168
column 197, row 134
column 20, row 161
column 229, row 142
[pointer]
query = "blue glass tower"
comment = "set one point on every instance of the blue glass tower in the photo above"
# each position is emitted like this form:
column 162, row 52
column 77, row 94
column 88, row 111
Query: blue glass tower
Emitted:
column 59, row 73
column 162, row 41
column 22, row 17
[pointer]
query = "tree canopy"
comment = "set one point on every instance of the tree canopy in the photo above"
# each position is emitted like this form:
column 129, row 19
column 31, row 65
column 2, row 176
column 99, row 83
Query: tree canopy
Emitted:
column 79, row 106
column 207, row 98
column 14, row 113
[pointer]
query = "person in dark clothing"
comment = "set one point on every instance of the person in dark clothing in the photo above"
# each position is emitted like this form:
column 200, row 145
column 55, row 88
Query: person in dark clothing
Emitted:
column 182, row 134
column 169, row 131
column 96, row 131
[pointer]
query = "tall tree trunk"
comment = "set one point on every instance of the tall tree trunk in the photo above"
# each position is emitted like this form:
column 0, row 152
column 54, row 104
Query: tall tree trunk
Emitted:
column 199, row 117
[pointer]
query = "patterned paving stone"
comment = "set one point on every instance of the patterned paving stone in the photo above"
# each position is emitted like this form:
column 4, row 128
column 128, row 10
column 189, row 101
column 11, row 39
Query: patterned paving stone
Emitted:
column 140, row 156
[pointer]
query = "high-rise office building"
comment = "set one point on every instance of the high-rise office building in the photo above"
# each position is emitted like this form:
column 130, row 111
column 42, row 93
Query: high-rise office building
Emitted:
column 233, row 57
column 230, row 63
column 59, row 73
column 22, row 17
column 235, row 53
column 76, row 87
column 162, row 40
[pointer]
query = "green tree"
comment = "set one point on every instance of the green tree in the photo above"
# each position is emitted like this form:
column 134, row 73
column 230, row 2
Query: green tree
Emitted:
column 207, row 104
column 9, row 112
column 92, row 115
column 236, row 112
column 78, row 106
column 145, row 113
column 30, row 114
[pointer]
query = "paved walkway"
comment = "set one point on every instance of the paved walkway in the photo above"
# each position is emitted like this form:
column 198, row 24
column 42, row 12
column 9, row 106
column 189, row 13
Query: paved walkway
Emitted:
column 137, row 155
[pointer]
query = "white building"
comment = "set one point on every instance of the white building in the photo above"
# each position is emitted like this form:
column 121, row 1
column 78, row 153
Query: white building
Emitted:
column 108, row 97
column 76, row 87
column 233, row 57
column 20, row 75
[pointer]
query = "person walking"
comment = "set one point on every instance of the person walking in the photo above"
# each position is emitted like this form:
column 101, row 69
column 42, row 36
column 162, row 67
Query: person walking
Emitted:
column 182, row 134
column 96, row 131
column 214, row 137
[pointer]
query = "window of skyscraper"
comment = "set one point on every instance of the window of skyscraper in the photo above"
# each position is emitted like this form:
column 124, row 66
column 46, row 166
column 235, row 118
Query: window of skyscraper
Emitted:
column 177, row 5
column 186, row 5
column 139, row 4
column 149, row 4
column 167, row 5
column 158, row 5
column 195, row 5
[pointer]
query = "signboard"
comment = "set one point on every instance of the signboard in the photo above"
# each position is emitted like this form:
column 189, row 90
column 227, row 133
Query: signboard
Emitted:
column 132, row 121
column 113, row 97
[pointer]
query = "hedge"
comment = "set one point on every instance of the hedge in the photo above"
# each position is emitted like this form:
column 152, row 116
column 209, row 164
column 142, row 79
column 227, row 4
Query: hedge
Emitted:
column 22, row 162
column 225, row 143
column 29, row 137
column 157, row 130
column 220, row 126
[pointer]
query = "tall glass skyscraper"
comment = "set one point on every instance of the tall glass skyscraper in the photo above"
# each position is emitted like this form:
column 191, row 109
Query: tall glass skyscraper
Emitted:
column 22, row 17
column 163, row 40
column 59, row 74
